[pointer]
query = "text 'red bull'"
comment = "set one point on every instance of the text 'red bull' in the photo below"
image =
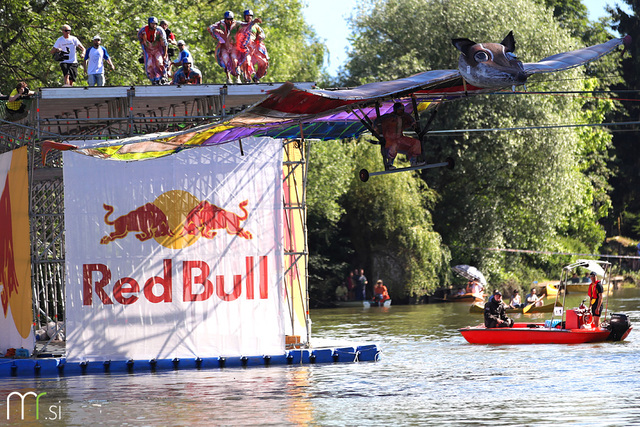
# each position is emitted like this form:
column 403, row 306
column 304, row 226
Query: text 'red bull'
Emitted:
column 127, row 290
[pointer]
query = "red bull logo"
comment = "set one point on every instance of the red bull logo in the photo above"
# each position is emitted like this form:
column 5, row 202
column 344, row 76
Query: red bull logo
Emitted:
column 196, row 286
column 176, row 219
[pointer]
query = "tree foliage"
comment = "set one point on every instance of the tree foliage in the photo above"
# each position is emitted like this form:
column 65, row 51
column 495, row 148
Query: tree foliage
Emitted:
column 28, row 30
column 383, row 226
column 626, row 193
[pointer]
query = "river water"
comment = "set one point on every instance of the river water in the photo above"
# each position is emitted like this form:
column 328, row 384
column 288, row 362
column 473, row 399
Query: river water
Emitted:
column 428, row 375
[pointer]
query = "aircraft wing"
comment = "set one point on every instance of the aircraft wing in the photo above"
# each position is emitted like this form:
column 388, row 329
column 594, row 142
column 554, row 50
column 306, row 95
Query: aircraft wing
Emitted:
column 575, row 58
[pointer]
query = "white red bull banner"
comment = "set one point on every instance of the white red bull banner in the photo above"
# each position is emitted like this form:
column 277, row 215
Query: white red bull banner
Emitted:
column 16, row 316
column 175, row 257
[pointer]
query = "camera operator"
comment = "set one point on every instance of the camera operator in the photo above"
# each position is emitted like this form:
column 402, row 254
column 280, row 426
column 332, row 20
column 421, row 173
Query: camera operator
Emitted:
column 68, row 43
column 14, row 103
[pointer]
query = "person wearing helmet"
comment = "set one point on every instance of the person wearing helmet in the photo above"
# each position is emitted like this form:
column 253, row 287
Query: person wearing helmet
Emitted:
column 184, row 54
column 153, row 41
column 187, row 75
column 224, row 31
column 253, row 58
column 391, row 127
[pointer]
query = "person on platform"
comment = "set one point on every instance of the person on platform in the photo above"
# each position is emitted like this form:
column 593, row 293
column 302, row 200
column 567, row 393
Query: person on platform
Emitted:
column 595, row 292
column 15, row 106
column 154, row 48
column 494, row 313
column 391, row 127
column 253, row 58
column 224, row 32
column 67, row 45
column 94, row 59
column 187, row 75
column 182, row 54
column 380, row 293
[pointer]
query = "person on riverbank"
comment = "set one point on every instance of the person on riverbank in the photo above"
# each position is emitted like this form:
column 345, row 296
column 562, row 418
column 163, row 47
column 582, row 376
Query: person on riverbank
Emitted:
column 494, row 313
column 595, row 292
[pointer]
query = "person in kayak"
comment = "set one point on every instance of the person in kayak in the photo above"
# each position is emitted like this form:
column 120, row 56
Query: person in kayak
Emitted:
column 494, row 314
column 595, row 298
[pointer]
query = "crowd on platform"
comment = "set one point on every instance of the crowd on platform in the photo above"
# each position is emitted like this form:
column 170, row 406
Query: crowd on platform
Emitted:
column 240, row 51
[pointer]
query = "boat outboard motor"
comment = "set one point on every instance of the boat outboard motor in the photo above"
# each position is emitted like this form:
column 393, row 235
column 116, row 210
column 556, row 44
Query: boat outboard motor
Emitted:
column 619, row 324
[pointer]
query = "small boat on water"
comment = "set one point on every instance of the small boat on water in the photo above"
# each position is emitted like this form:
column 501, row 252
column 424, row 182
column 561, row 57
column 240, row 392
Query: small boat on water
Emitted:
column 543, row 333
column 360, row 303
column 565, row 326
column 478, row 308
column 468, row 298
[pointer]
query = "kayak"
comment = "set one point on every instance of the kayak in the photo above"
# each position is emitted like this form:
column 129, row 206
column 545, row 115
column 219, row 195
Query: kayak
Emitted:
column 468, row 297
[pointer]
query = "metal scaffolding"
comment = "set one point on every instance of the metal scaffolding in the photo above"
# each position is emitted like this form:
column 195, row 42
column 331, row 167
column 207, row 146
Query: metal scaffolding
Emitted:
column 65, row 114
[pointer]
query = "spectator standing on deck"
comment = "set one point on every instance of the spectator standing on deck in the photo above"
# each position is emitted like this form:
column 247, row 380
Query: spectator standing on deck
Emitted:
column 65, row 47
column 94, row 59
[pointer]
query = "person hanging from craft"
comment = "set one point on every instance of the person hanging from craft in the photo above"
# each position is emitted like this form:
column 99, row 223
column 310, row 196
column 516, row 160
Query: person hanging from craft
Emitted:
column 253, row 58
column 154, row 48
column 595, row 292
column 494, row 313
column 391, row 127
column 224, row 32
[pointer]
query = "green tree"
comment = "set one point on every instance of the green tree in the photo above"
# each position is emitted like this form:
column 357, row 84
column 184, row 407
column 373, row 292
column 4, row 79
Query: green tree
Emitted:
column 536, row 189
column 29, row 29
column 626, row 193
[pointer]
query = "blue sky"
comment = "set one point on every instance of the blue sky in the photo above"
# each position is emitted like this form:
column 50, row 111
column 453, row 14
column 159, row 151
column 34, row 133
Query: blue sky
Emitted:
column 328, row 17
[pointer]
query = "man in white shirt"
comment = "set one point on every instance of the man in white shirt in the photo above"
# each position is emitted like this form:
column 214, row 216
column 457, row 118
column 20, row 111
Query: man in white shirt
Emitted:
column 94, row 61
column 68, row 45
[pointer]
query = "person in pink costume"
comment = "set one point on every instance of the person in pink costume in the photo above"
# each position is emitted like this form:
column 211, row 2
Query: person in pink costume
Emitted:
column 224, row 32
column 154, row 47
column 252, row 53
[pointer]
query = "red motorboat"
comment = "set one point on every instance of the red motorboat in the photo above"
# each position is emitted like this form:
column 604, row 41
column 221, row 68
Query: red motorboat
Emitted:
column 572, row 327
column 542, row 333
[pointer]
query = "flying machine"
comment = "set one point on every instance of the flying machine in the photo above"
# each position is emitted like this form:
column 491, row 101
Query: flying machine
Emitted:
column 328, row 114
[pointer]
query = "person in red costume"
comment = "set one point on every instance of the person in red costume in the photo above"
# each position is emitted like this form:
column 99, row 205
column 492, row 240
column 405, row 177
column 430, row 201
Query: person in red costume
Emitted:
column 391, row 127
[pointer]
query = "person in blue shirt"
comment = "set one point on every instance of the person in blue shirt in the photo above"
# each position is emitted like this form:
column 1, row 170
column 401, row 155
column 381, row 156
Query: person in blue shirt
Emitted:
column 184, row 54
column 187, row 75
column 94, row 59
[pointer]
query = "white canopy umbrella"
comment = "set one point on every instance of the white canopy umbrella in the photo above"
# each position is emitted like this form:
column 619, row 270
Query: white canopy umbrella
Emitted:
column 471, row 273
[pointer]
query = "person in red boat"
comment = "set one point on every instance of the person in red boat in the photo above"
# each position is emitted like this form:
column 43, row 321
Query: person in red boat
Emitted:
column 494, row 314
column 595, row 298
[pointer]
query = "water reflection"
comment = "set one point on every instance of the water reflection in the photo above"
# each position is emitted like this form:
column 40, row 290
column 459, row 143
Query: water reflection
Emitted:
column 428, row 375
